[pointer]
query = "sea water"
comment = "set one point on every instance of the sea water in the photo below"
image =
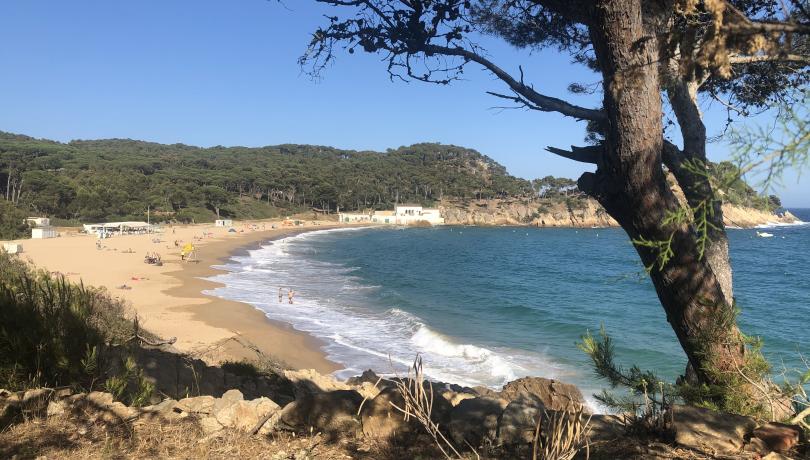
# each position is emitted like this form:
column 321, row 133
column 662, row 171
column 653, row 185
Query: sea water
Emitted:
column 485, row 305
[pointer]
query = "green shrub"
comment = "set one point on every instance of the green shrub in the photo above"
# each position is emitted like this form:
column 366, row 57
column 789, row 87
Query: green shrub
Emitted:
column 52, row 330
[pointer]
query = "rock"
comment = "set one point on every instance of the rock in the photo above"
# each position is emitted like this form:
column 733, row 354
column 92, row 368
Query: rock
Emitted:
column 122, row 411
column 9, row 412
column 775, row 456
column 75, row 400
column 244, row 415
column 233, row 395
column 36, row 396
column 165, row 407
column 35, row 400
column 518, row 420
column 483, row 391
column 210, row 425
column 603, row 427
column 757, row 446
column 309, row 381
column 197, row 405
column 381, row 420
column 714, row 433
column 331, row 412
column 368, row 376
column 368, row 390
column 56, row 408
column 554, row 395
column 456, row 398
column 778, row 437
column 475, row 421
column 62, row 393
column 228, row 399
column 99, row 398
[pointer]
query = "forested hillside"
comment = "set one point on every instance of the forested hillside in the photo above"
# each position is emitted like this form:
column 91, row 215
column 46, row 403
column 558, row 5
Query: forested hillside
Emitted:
column 110, row 179
column 84, row 181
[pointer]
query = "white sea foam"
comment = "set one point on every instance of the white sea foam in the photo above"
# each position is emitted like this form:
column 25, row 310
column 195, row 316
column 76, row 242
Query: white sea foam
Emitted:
column 333, row 305
column 798, row 223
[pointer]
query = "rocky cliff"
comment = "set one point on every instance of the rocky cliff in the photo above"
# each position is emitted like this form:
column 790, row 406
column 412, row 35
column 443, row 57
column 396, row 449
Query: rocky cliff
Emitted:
column 578, row 212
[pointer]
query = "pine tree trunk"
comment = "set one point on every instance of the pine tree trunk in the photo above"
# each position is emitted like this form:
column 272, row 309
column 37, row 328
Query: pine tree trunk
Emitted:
column 631, row 185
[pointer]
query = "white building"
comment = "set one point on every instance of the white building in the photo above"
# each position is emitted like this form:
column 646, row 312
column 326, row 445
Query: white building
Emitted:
column 401, row 215
column 410, row 214
column 118, row 228
column 223, row 223
column 38, row 221
column 41, row 233
column 12, row 248
column 351, row 217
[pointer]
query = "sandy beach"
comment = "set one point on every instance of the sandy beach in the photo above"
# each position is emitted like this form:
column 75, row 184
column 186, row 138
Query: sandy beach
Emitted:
column 169, row 300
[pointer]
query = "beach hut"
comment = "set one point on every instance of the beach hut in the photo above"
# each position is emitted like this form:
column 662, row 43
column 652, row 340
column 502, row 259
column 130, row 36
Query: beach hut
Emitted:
column 12, row 248
column 223, row 223
column 41, row 233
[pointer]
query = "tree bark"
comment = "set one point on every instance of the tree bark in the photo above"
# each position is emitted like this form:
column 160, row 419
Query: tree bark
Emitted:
column 696, row 188
column 631, row 185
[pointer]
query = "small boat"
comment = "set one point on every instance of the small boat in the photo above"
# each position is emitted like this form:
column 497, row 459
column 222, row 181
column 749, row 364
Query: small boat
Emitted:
column 764, row 235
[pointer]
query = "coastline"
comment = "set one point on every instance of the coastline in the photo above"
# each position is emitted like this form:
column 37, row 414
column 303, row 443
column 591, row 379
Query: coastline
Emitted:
column 277, row 340
column 169, row 299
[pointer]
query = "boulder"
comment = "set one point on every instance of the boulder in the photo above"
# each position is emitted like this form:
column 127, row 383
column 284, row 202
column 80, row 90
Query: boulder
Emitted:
column 232, row 395
column 368, row 390
column 37, row 398
column 775, row 456
column 757, row 446
column 196, row 405
column 309, row 381
column 9, row 412
column 554, row 395
column 99, row 399
column 519, row 419
column 381, row 420
column 368, row 376
column 244, row 415
column 210, row 425
column 332, row 412
column 711, row 432
column 778, row 437
column 483, row 391
column 228, row 399
column 475, row 421
column 456, row 398
column 32, row 402
column 165, row 407
column 56, row 408
column 122, row 411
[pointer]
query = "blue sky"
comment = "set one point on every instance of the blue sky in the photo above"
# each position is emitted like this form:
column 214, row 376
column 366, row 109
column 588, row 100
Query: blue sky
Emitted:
column 217, row 72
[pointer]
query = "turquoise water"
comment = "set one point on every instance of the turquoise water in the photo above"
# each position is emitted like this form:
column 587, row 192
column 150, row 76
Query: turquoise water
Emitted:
column 487, row 305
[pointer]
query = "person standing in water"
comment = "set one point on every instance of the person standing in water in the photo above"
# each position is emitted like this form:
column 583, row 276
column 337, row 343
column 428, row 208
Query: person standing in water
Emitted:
column 290, row 295
column 280, row 296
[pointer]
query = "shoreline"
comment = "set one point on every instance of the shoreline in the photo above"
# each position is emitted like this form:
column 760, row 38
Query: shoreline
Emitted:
column 169, row 299
column 277, row 340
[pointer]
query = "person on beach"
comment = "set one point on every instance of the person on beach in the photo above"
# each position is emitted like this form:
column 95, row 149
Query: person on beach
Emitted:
column 280, row 296
column 290, row 295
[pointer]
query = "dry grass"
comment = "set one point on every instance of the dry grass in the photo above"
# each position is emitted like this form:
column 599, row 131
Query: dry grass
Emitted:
column 561, row 435
column 68, row 438
column 418, row 403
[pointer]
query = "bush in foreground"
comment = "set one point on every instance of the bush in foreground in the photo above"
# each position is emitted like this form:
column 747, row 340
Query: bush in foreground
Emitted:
column 54, row 332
